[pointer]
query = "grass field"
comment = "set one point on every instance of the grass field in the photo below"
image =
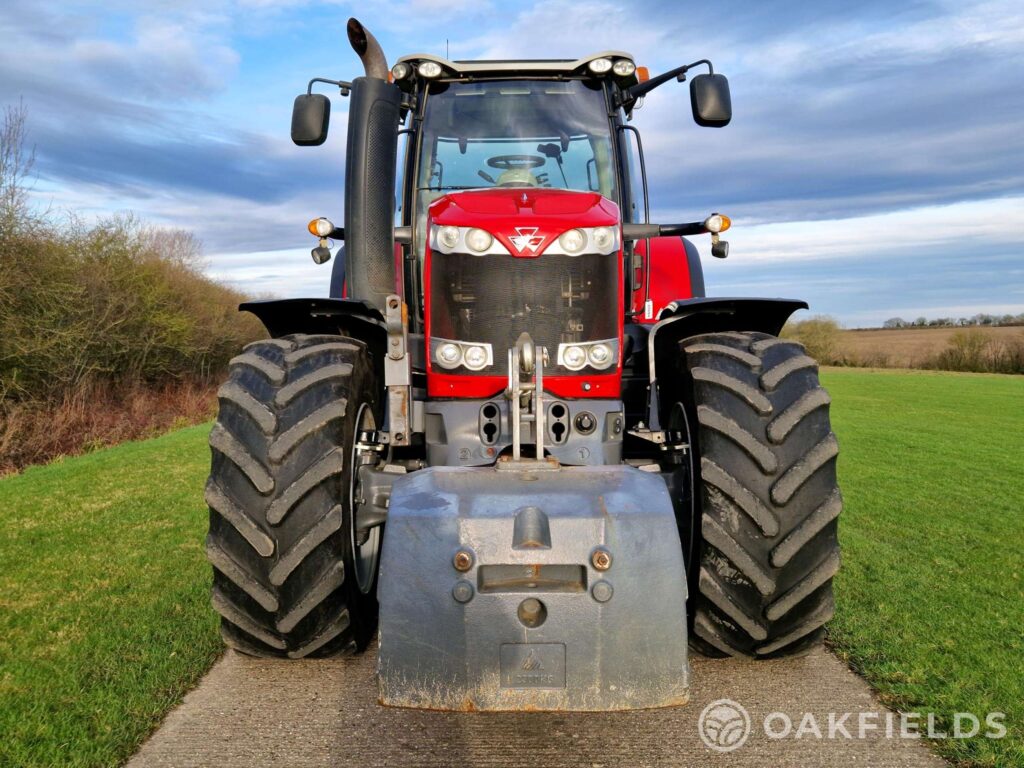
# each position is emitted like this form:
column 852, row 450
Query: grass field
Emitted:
column 931, row 595
column 104, row 617
column 104, row 599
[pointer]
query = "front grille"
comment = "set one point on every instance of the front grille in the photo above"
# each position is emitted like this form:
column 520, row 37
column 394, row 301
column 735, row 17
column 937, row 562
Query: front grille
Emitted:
column 556, row 299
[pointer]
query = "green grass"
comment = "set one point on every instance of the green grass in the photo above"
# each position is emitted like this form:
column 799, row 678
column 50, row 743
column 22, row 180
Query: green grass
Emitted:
column 105, row 621
column 931, row 594
column 104, row 599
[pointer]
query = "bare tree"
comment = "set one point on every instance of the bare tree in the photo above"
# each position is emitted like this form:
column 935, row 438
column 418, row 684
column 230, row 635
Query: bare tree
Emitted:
column 16, row 164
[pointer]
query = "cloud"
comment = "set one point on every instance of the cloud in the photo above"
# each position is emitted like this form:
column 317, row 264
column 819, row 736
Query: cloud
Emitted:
column 993, row 222
column 284, row 273
column 936, row 261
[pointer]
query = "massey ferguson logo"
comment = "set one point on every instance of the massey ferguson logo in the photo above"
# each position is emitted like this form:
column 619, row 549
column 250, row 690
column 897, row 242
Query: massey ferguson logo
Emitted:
column 532, row 664
column 526, row 239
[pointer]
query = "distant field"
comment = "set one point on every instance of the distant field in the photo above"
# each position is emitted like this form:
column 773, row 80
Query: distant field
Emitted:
column 910, row 347
column 104, row 591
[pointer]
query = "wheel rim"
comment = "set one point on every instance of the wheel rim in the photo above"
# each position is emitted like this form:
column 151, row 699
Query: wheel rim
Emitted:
column 365, row 555
column 678, row 420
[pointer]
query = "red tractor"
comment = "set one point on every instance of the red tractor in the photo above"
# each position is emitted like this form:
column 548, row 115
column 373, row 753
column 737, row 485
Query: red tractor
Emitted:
column 517, row 443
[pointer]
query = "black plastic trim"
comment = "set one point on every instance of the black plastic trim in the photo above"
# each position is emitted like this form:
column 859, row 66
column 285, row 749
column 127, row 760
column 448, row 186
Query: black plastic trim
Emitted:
column 346, row 317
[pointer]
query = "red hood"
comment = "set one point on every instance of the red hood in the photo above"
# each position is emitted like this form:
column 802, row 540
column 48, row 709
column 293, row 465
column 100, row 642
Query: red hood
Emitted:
column 534, row 217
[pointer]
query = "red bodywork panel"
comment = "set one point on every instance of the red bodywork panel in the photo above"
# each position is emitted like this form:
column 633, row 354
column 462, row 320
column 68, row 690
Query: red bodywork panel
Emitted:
column 541, row 216
column 670, row 276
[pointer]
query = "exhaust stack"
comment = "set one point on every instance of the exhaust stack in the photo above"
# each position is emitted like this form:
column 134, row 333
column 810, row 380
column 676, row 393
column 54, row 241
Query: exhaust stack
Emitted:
column 368, row 50
column 373, row 122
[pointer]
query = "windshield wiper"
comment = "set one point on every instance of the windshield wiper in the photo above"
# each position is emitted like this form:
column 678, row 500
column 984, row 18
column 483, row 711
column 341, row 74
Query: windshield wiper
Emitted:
column 439, row 189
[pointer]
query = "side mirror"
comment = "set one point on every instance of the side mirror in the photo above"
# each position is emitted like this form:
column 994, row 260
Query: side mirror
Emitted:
column 311, row 114
column 710, row 100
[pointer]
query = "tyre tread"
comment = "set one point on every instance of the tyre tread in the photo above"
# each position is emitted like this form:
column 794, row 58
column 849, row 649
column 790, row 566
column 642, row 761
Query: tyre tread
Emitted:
column 770, row 502
column 278, row 531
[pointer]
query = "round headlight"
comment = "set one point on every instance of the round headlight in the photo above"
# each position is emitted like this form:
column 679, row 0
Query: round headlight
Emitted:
column 600, row 355
column 475, row 358
column 604, row 239
column 573, row 241
column 624, row 68
column 599, row 66
column 449, row 355
column 478, row 240
column 429, row 69
column 448, row 236
column 401, row 70
column 574, row 358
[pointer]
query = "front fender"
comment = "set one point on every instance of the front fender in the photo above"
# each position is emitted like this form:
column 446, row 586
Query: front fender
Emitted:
column 684, row 318
column 709, row 315
column 345, row 317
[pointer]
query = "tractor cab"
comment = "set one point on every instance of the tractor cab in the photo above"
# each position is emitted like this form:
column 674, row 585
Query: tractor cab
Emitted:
column 556, row 124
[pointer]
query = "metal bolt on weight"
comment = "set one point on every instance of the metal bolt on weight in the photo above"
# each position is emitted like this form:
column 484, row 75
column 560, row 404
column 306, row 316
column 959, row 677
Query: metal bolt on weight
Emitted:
column 601, row 591
column 463, row 560
column 601, row 559
column 462, row 591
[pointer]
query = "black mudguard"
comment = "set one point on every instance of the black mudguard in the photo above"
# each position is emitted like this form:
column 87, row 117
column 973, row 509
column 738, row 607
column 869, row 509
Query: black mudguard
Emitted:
column 692, row 317
column 709, row 315
column 345, row 317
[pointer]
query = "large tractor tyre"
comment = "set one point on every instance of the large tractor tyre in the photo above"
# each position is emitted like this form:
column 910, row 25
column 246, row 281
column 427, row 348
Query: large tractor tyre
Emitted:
column 768, row 495
column 289, row 577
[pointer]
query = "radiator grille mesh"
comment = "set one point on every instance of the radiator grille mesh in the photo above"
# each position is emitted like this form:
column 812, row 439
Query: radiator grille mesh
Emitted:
column 556, row 299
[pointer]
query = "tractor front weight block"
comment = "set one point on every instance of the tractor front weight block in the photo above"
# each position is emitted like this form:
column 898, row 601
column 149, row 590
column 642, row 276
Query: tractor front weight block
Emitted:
column 530, row 586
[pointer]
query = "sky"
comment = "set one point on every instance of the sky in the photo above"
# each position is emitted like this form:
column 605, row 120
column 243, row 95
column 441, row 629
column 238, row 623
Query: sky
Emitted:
column 874, row 166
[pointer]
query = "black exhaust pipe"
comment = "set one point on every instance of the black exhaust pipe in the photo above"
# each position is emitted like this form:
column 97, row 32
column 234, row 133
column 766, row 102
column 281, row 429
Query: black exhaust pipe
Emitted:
column 373, row 121
column 368, row 50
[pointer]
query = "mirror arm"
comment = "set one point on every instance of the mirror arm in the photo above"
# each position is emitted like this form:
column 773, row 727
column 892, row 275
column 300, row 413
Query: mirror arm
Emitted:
column 343, row 86
column 403, row 235
column 643, row 231
column 638, row 91
column 690, row 228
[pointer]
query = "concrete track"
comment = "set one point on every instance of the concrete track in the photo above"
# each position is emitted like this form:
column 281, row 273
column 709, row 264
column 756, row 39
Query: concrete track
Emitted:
column 248, row 712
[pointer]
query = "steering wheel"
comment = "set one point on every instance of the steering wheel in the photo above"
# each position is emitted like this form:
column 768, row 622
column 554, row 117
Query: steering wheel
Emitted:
column 516, row 162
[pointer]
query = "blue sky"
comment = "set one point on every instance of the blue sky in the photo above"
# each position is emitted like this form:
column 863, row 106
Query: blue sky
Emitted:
column 874, row 167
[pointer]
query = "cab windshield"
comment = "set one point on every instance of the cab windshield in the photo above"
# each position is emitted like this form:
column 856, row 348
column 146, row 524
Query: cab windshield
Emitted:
column 515, row 133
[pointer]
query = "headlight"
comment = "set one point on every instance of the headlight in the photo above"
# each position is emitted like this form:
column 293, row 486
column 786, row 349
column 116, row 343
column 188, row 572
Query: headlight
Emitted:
column 429, row 69
column 599, row 66
column 624, row 68
column 600, row 355
column 574, row 358
column 448, row 236
column 400, row 71
column 474, row 355
column 573, row 241
column 475, row 358
column 449, row 355
column 478, row 240
column 604, row 238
